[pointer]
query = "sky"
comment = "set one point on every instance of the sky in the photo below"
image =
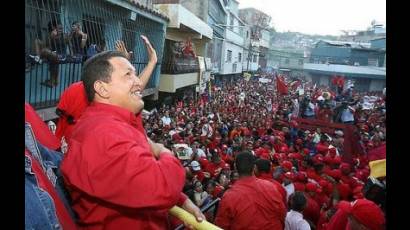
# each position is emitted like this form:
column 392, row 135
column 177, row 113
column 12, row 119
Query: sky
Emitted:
column 324, row 17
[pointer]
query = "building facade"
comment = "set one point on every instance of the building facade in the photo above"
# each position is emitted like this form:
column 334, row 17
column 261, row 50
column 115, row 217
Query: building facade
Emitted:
column 347, row 53
column 187, row 35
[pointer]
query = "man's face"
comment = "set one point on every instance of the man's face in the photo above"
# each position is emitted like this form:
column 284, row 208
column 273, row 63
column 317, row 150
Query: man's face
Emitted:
column 76, row 27
column 125, row 88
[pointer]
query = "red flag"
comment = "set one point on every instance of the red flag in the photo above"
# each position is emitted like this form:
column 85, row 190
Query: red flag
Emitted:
column 340, row 81
column 281, row 86
column 377, row 153
column 335, row 80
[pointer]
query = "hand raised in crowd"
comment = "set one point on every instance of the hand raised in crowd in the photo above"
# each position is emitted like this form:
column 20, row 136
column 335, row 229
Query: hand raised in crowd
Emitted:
column 157, row 148
column 152, row 54
column 120, row 46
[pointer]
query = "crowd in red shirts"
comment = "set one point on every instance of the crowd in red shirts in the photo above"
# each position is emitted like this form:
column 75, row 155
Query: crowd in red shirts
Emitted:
column 221, row 124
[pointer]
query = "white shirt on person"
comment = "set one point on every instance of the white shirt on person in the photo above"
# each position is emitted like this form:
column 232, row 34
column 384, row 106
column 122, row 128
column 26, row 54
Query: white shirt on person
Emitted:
column 347, row 115
column 294, row 221
column 166, row 120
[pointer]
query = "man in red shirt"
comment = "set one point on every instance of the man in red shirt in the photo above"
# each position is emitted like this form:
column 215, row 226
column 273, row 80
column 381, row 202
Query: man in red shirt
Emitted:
column 117, row 177
column 216, row 165
column 251, row 203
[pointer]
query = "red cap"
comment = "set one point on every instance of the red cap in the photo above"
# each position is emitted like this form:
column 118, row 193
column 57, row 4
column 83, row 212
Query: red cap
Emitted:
column 323, row 183
column 287, row 165
column 306, row 151
column 327, row 159
column 337, row 160
column 367, row 213
column 301, row 176
column 311, row 187
column 318, row 158
column 336, row 174
column 284, row 149
column 345, row 168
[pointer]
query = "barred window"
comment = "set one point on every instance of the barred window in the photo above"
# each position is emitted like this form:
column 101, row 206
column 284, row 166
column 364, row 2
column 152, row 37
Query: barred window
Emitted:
column 229, row 56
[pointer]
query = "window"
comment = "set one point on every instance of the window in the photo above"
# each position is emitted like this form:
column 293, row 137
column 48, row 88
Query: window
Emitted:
column 287, row 61
column 247, row 34
column 300, row 61
column 231, row 19
column 239, row 57
column 229, row 56
column 234, row 67
column 255, row 57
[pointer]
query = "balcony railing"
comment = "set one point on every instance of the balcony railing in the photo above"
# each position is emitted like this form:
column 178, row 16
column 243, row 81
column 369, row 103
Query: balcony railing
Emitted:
column 104, row 24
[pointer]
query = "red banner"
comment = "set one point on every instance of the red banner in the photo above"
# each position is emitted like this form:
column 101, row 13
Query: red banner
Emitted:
column 351, row 135
column 281, row 86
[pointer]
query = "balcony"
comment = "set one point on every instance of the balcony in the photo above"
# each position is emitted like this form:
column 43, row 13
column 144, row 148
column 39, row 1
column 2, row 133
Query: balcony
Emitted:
column 183, row 19
column 234, row 37
column 171, row 82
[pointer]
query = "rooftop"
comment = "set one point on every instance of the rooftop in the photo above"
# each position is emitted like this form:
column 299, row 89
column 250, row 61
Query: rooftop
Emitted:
column 347, row 44
column 360, row 71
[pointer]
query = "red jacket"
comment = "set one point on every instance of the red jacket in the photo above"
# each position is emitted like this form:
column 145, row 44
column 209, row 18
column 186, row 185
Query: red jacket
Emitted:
column 251, row 203
column 312, row 210
column 113, row 179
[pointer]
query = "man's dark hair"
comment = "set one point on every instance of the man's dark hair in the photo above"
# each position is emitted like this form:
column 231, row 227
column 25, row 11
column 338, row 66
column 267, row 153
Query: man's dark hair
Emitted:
column 244, row 163
column 298, row 201
column 263, row 165
column 75, row 22
column 97, row 68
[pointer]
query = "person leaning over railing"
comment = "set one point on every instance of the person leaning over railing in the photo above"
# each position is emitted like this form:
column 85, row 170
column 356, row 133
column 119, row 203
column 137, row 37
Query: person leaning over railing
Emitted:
column 53, row 50
column 117, row 177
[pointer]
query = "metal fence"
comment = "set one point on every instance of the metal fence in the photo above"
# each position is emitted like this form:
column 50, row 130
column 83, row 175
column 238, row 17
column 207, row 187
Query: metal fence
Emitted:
column 104, row 22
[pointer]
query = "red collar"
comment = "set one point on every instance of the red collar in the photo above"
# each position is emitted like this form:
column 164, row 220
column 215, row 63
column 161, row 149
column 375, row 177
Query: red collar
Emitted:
column 121, row 113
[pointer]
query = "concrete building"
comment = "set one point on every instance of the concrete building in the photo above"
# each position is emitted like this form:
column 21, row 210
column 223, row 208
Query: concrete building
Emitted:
column 232, row 46
column 290, row 60
column 180, row 75
column 217, row 20
column 260, row 38
column 347, row 53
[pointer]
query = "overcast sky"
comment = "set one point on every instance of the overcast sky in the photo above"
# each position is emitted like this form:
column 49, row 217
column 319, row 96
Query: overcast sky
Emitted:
column 325, row 17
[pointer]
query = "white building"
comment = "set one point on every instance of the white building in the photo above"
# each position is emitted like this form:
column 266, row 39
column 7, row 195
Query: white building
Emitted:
column 233, row 44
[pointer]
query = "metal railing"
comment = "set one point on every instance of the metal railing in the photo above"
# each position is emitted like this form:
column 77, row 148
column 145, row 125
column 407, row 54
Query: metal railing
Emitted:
column 102, row 21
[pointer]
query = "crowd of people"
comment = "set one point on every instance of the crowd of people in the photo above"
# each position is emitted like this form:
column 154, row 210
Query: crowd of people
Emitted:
column 247, row 116
column 240, row 142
